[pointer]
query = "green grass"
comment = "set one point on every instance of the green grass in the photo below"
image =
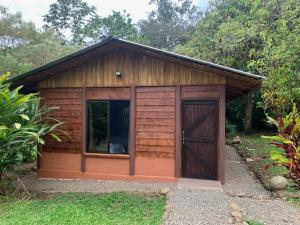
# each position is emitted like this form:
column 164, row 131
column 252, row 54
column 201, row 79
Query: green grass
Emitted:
column 87, row 209
column 252, row 222
column 263, row 147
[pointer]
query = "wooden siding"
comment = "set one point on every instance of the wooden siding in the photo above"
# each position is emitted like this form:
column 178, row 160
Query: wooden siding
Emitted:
column 155, row 122
column 69, row 102
column 136, row 68
column 200, row 92
column 108, row 93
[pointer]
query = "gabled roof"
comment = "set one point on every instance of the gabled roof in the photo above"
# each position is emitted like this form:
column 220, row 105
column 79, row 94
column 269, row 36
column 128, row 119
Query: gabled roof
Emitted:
column 36, row 75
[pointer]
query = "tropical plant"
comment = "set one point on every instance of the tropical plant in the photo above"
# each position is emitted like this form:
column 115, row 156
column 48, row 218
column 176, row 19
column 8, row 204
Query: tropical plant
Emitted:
column 23, row 126
column 288, row 140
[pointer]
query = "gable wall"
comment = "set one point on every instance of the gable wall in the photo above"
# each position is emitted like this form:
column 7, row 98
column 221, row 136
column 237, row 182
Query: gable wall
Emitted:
column 136, row 68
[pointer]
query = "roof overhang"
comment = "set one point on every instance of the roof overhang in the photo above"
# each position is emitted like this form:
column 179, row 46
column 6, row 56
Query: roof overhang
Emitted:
column 238, row 82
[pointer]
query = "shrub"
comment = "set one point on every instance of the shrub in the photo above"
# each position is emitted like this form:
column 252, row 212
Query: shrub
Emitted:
column 288, row 140
column 23, row 126
column 230, row 128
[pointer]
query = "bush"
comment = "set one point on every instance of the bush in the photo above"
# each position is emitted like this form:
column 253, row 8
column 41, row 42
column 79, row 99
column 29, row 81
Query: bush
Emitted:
column 230, row 128
column 288, row 139
column 23, row 126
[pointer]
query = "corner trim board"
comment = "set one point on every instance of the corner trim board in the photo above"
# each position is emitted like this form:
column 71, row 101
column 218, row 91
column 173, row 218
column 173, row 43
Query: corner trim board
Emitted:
column 132, row 130
column 83, row 159
column 178, row 158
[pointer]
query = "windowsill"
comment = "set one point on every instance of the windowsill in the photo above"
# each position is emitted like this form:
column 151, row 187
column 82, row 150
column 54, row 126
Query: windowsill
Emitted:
column 111, row 156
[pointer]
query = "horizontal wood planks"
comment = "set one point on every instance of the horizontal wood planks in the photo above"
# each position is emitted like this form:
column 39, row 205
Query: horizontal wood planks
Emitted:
column 108, row 93
column 200, row 92
column 136, row 68
column 69, row 111
column 155, row 122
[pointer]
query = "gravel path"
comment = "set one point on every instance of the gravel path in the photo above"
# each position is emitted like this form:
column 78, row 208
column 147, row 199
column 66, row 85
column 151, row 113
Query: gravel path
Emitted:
column 211, row 208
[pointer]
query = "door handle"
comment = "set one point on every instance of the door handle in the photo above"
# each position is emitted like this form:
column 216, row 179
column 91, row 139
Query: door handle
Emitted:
column 182, row 136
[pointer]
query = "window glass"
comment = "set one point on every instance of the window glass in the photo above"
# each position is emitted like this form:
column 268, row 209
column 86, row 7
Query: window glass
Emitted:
column 97, row 126
column 108, row 127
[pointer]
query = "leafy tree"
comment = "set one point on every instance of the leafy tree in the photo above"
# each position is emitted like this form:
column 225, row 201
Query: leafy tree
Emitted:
column 23, row 47
column 13, row 30
column 259, row 36
column 70, row 17
column 169, row 24
column 118, row 25
column 23, row 125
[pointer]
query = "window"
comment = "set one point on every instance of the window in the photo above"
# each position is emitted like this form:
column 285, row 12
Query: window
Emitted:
column 108, row 127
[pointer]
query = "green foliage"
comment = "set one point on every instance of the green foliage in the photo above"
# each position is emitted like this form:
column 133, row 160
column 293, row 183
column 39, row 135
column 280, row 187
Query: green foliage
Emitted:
column 83, row 24
column 253, row 222
column 23, row 47
column 118, row 25
column 169, row 24
column 23, row 125
column 261, row 155
column 113, row 208
column 70, row 16
column 260, row 36
column 288, row 139
column 230, row 128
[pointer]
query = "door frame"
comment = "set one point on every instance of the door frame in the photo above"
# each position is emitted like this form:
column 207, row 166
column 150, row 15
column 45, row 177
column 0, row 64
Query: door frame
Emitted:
column 220, row 98
column 186, row 102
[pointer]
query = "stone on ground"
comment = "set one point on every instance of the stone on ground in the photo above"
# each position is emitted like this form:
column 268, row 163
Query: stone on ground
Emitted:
column 236, row 140
column 278, row 182
column 165, row 190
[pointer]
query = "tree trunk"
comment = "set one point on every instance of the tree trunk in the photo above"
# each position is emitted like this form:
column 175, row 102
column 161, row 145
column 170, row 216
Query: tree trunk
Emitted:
column 2, row 190
column 248, row 113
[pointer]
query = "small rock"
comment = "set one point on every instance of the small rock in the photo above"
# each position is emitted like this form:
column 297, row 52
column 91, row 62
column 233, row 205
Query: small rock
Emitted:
column 278, row 182
column 285, row 220
column 234, row 207
column 249, row 160
column 236, row 215
column 236, row 140
column 164, row 190
column 239, row 220
column 241, row 194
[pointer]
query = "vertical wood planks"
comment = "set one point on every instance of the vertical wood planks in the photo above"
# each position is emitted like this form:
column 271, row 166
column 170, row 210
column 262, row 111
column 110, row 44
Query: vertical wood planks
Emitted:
column 136, row 68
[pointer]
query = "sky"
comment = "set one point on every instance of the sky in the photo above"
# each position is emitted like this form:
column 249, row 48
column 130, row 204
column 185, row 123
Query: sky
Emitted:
column 33, row 10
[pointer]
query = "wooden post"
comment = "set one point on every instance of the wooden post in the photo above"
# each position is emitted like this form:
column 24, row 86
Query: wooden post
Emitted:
column 221, row 134
column 178, row 133
column 132, row 130
column 84, row 118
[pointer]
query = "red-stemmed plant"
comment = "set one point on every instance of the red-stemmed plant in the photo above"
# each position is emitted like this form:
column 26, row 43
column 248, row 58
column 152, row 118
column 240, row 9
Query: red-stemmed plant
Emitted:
column 288, row 139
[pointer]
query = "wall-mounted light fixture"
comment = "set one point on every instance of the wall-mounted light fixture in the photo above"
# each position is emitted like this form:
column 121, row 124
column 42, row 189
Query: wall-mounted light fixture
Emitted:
column 118, row 74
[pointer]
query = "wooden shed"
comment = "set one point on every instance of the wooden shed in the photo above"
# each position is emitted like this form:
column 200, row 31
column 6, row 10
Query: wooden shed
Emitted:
column 137, row 113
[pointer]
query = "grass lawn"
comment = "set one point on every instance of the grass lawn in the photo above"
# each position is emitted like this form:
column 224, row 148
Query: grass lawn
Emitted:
column 84, row 209
column 262, row 148
column 252, row 222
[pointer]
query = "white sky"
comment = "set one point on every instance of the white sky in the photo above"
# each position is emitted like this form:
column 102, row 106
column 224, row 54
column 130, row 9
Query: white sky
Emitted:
column 33, row 10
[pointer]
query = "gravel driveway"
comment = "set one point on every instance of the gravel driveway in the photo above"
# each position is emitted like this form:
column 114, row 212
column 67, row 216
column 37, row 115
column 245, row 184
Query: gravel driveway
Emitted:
column 190, row 206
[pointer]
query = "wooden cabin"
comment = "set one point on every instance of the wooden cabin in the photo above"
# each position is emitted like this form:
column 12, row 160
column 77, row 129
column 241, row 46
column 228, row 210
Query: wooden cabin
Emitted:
column 136, row 113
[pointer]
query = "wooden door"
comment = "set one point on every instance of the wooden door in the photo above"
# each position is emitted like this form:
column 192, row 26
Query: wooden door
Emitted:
column 199, row 139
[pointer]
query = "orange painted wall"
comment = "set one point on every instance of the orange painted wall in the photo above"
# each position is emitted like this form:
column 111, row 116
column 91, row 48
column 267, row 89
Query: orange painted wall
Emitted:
column 107, row 166
column 161, row 167
column 60, row 161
